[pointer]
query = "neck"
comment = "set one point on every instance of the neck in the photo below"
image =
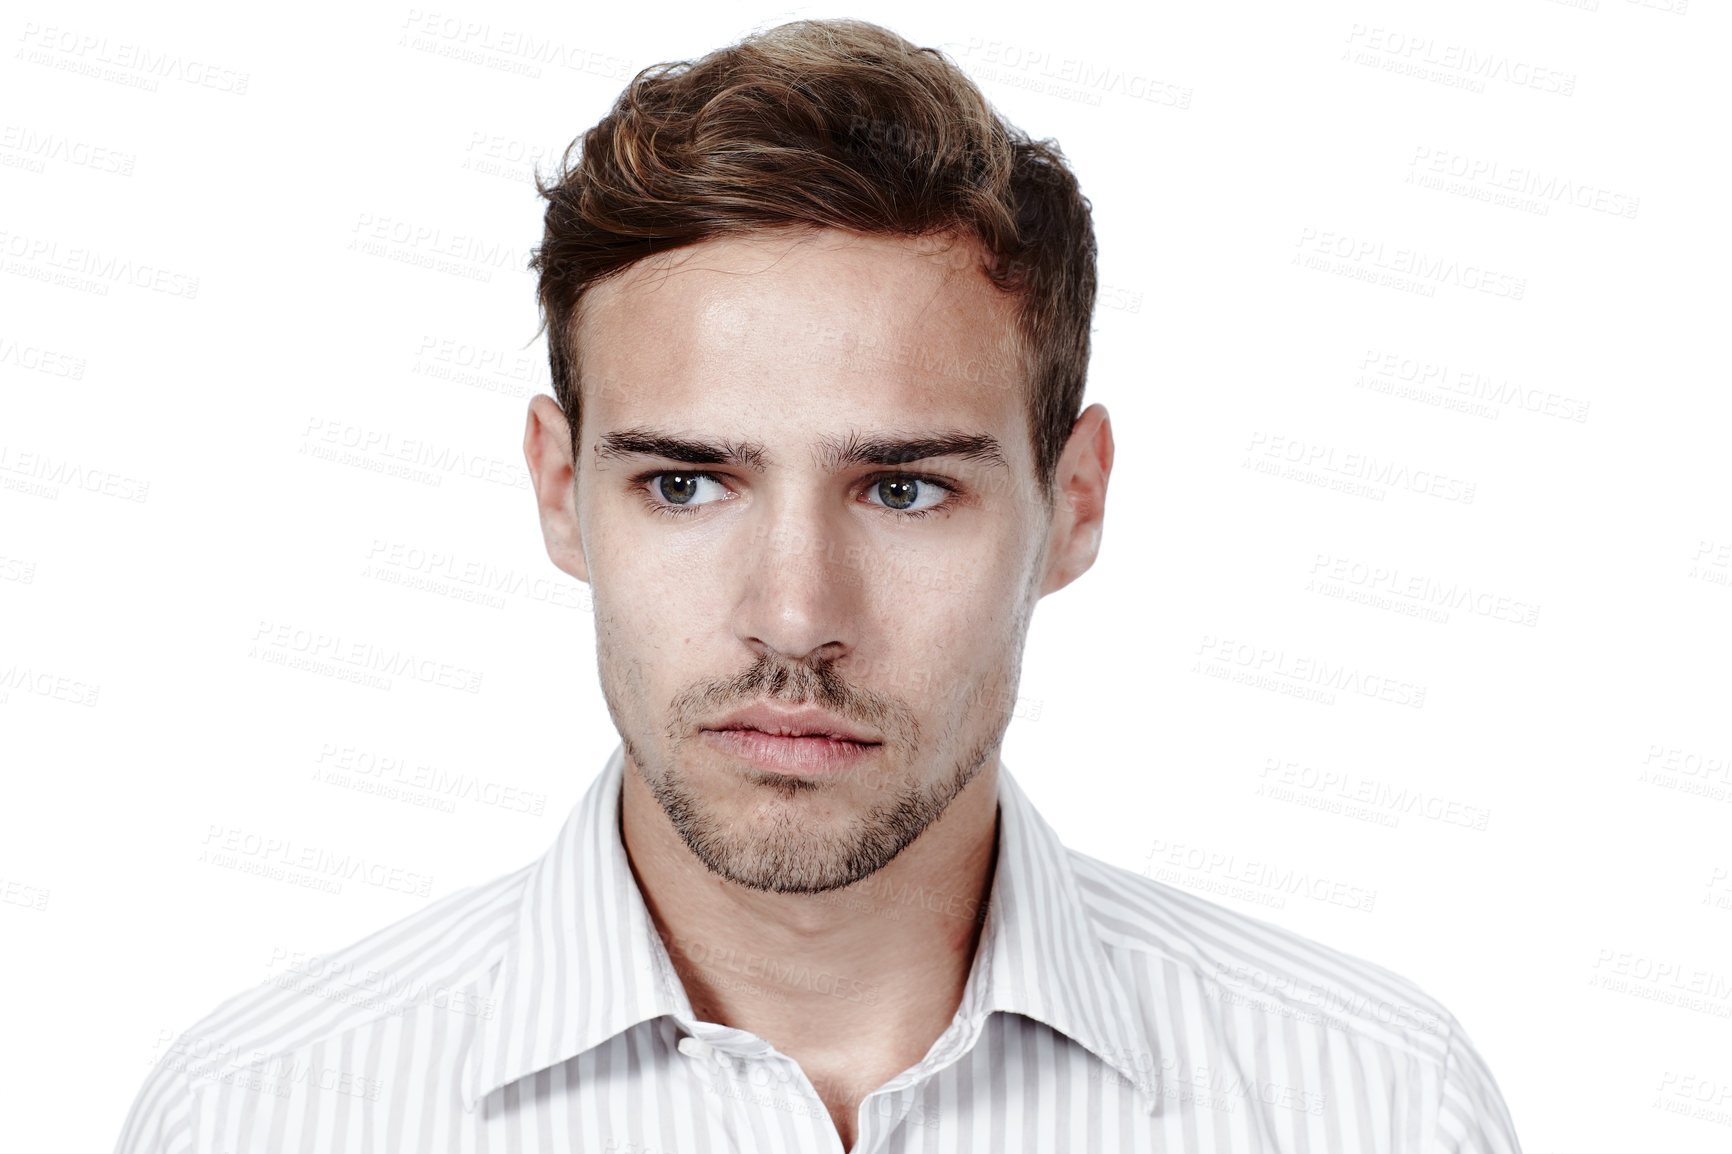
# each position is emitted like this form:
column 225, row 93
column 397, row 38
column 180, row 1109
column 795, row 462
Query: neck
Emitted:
column 854, row 984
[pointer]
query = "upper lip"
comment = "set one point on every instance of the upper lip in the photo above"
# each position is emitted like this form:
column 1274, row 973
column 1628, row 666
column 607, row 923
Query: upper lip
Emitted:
column 794, row 721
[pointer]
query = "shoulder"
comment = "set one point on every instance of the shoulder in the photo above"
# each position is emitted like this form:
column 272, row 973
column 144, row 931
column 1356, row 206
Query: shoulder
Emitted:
column 1188, row 963
column 441, row 951
column 1239, row 960
column 441, row 955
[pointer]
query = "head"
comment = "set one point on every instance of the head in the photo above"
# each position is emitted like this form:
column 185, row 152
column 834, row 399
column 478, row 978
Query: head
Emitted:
column 818, row 322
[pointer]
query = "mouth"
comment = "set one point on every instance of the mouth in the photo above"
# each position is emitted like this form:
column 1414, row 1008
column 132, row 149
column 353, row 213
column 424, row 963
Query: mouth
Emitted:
column 802, row 742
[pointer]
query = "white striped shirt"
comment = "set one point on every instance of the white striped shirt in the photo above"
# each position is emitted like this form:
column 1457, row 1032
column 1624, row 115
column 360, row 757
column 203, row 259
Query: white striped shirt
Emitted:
column 1104, row 1011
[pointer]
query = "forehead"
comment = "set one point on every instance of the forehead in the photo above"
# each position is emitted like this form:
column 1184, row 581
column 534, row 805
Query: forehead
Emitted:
column 815, row 329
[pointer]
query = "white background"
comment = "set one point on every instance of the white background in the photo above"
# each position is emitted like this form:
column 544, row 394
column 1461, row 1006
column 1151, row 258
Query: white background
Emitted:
column 1249, row 168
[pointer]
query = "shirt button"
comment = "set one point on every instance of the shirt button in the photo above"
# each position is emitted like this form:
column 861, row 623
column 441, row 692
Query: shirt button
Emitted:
column 696, row 1048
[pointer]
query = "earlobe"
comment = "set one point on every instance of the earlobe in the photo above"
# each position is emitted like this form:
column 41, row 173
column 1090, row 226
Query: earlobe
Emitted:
column 1080, row 508
column 547, row 452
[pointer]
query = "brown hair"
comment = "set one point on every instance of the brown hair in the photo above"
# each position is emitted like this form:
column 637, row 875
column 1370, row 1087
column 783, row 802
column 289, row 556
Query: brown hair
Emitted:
column 830, row 124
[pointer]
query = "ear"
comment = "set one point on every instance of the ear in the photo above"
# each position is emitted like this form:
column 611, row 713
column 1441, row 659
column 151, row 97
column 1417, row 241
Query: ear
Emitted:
column 1079, row 499
column 547, row 449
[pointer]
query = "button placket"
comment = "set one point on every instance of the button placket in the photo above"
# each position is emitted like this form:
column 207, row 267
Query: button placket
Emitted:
column 705, row 1062
column 727, row 1072
column 881, row 1112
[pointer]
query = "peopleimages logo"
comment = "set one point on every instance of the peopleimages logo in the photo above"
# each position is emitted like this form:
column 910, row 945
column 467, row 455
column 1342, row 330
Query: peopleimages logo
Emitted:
column 47, row 473
column 1423, row 56
column 1258, row 882
column 401, row 778
column 1542, row 188
column 90, row 269
column 274, row 643
column 1374, row 258
column 1349, row 471
column 1461, row 388
column 1266, row 667
column 1389, row 587
column 1071, row 77
column 282, row 859
column 505, row 49
column 34, row 150
column 1338, row 791
column 121, row 61
column 341, row 440
column 36, row 359
column 44, row 683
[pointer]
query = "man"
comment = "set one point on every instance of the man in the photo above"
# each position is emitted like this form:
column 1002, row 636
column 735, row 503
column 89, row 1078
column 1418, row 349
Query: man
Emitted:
column 818, row 322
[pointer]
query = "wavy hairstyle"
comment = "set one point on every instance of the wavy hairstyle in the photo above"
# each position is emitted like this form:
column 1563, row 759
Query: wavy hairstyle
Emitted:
column 828, row 124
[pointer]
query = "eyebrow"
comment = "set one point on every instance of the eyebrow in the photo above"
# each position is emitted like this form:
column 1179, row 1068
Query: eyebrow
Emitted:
column 834, row 453
column 854, row 449
column 643, row 442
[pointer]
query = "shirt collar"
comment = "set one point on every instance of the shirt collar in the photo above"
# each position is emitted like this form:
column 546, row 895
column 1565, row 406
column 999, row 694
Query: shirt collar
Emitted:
column 1040, row 955
column 586, row 963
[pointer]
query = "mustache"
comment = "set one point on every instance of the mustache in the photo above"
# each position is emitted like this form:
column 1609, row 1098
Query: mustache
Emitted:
column 795, row 683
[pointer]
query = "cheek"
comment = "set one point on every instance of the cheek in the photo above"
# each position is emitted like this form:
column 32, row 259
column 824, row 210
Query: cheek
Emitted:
column 970, row 597
column 949, row 652
column 649, row 621
column 631, row 548
column 633, row 568
column 658, row 621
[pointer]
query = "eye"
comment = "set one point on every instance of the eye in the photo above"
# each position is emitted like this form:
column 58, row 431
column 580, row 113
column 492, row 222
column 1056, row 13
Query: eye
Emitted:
column 907, row 494
column 680, row 491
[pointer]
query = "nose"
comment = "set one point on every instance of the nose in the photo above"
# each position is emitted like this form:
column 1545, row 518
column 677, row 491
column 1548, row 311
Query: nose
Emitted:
column 799, row 586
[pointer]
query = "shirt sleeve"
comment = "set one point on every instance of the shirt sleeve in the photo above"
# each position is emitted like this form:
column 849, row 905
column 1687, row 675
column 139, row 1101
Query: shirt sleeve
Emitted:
column 160, row 1121
column 1471, row 1117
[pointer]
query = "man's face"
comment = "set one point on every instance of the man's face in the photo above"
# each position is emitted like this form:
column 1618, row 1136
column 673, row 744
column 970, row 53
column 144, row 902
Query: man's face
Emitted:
column 806, row 503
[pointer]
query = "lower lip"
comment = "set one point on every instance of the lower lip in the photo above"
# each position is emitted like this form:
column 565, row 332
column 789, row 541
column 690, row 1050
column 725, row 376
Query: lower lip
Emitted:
column 797, row 756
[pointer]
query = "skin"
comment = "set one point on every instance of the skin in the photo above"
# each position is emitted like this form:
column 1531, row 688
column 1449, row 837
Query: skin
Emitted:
column 794, row 577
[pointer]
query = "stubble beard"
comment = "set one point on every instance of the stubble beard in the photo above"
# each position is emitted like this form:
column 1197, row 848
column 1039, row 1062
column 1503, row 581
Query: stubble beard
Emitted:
column 787, row 858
